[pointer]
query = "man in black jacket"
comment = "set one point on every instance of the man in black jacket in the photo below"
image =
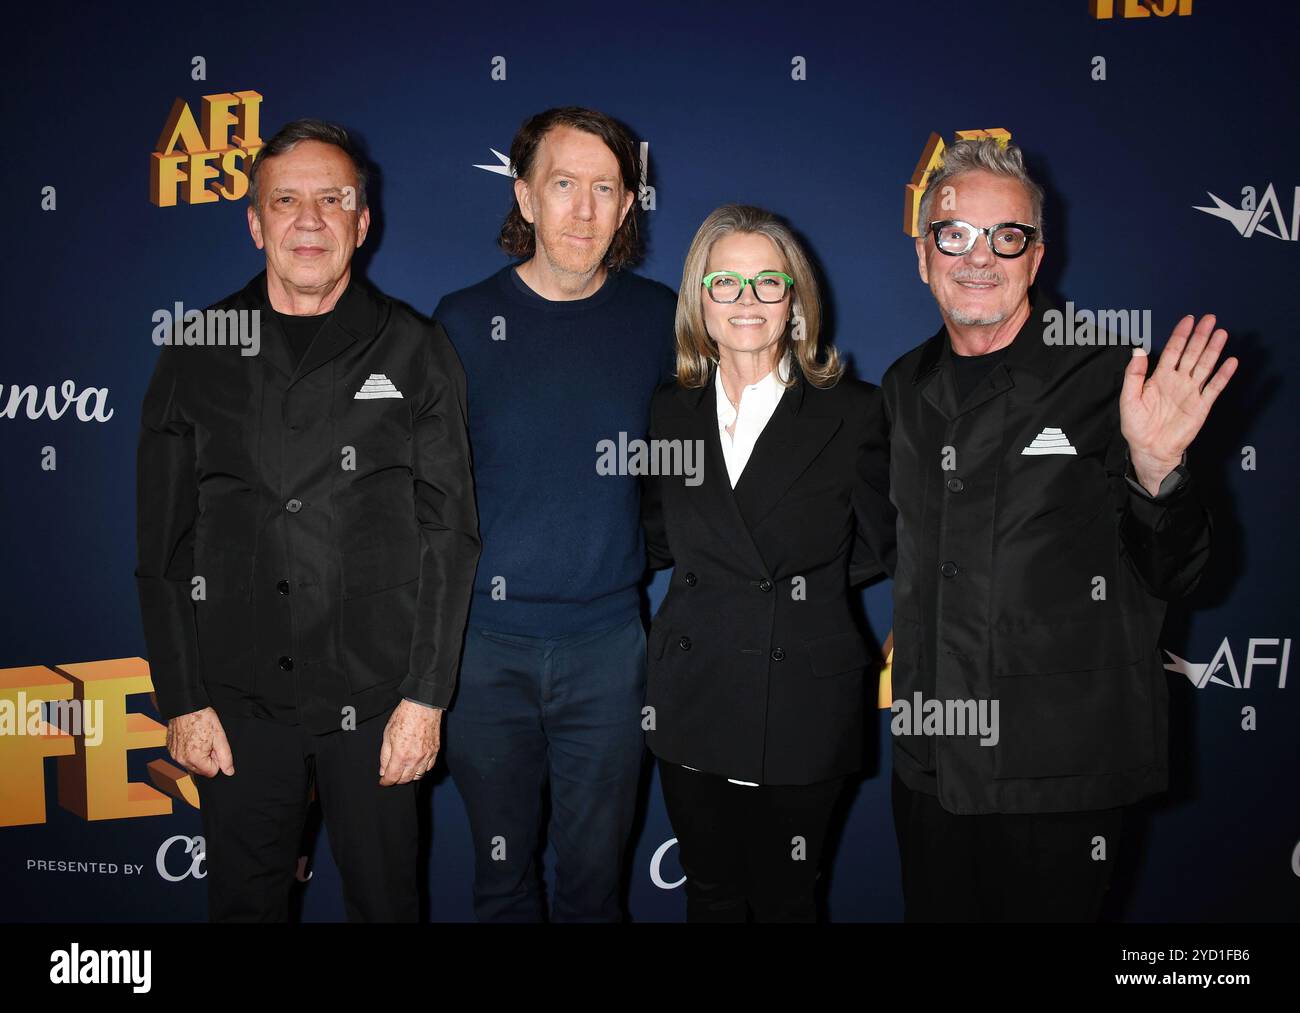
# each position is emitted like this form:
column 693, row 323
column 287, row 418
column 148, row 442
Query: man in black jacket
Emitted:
column 1045, row 516
column 307, row 544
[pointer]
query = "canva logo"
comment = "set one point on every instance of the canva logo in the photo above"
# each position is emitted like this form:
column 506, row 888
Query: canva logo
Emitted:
column 656, row 864
column 195, row 847
column 30, row 401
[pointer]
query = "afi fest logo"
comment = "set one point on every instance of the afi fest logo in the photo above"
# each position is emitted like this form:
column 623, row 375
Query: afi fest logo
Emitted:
column 1222, row 668
column 91, row 763
column 190, row 155
column 1263, row 216
column 1104, row 10
column 930, row 160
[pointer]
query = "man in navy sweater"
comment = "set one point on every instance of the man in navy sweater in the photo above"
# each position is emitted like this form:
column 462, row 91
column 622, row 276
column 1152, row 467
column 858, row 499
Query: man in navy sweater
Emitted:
column 561, row 353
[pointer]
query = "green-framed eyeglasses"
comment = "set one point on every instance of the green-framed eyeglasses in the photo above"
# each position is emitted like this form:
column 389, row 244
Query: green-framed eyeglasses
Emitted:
column 768, row 286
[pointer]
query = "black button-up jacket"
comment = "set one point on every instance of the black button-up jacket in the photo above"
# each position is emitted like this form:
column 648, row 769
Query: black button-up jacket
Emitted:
column 307, row 536
column 1031, row 573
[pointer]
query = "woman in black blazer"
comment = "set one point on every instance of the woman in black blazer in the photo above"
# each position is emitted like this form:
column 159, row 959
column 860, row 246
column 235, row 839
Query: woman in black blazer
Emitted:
column 756, row 668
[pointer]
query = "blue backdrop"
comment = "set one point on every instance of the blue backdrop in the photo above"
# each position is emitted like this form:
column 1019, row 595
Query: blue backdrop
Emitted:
column 1181, row 107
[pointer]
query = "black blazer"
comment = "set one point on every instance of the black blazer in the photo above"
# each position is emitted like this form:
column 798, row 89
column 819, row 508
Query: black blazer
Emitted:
column 1034, row 580
column 335, row 534
column 757, row 670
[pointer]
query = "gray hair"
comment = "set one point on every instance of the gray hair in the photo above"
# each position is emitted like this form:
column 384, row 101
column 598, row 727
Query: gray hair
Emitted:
column 987, row 155
column 290, row 136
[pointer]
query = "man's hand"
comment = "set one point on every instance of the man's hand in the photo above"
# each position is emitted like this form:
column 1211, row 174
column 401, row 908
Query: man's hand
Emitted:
column 198, row 743
column 1160, row 415
column 412, row 739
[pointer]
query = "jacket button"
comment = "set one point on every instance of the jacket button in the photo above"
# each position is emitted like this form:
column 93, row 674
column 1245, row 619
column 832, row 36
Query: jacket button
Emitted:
column 286, row 664
column 691, row 580
column 948, row 569
column 956, row 485
column 765, row 585
column 684, row 643
column 778, row 654
column 282, row 587
column 293, row 506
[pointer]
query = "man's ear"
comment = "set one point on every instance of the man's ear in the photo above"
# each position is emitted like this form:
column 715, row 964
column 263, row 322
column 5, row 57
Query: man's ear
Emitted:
column 1037, row 254
column 255, row 227
column 523, row 195
column 628, row 197
column 363, row 225
column 920, row 259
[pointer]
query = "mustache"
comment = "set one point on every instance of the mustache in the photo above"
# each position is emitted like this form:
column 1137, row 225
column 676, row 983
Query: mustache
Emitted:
column 977, row 274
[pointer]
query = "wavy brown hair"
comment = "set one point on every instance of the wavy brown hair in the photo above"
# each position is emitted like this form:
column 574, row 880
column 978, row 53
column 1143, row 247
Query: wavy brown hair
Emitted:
column 517, row 235
column 697, row 352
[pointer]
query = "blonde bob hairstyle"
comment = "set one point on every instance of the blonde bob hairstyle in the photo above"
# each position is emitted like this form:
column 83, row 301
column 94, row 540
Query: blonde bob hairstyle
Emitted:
column 697, row 352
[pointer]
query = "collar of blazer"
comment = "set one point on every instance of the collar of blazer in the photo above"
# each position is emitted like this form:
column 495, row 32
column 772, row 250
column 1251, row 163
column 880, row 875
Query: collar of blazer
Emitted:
column 694, row 398
column 356, row 316
column 793, row 437
column 1028, row 364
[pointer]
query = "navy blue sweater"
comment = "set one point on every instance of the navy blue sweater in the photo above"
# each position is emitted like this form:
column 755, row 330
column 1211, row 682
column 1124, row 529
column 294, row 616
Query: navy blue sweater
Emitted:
column 561, row 542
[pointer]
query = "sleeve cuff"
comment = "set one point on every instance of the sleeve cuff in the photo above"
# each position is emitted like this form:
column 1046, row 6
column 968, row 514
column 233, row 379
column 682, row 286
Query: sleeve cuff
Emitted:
column 431, row 706
column 1171, row 485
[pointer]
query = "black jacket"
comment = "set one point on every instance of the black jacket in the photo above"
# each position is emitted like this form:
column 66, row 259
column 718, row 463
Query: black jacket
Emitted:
column 1037, row 580
column 756, row 667
column 336, row 535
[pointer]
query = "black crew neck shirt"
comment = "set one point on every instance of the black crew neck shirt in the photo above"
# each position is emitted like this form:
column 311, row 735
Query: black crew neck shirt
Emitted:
column 300, row 331
column 969, row 370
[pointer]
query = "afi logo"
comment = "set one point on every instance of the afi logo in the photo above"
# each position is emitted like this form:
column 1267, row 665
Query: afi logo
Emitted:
column 1264, row 216
column 1222, row 668
column 645, row 192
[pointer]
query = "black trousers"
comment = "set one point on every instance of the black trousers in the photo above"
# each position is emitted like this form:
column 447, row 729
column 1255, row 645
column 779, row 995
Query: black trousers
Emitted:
column 1001, row 867
column 253, row 822
column 748, row 851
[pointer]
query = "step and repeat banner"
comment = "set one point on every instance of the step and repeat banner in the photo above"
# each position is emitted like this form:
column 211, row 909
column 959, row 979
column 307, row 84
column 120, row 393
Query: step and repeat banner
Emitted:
column 1163, row 131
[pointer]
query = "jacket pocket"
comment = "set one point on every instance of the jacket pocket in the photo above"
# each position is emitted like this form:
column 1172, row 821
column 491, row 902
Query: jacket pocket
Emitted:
column 1043, row 648
column 838, row 654
column 1073, row 699
column 379, row 566
column 906, row 680
column 223, row 617
column 377, row 613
